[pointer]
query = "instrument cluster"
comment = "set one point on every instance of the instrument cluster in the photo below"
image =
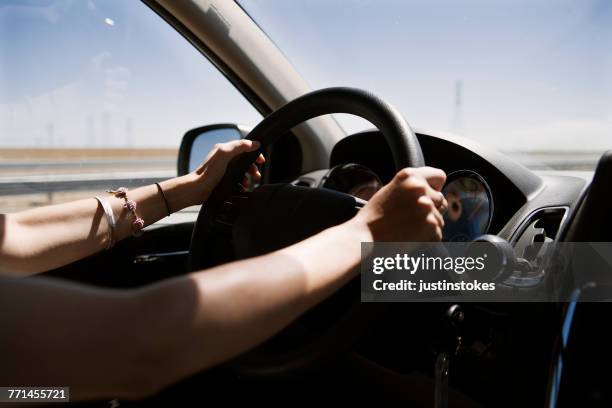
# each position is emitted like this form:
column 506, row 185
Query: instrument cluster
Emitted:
column 470, row 202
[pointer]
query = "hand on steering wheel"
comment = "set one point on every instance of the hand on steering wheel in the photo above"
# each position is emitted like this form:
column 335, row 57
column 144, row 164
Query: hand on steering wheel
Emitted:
column 412, row 198
column 211, row 171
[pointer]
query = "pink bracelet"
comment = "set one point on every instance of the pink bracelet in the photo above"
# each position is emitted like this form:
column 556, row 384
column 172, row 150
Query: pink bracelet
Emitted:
column 130, row 205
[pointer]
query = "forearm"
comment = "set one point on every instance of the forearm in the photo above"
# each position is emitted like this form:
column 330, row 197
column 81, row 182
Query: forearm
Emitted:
column 214, row 315
column 105, row 343
column 133, row 343
column 48, row 237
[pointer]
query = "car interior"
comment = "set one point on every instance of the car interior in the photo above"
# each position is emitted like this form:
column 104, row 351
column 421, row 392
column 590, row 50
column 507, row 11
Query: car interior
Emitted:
column 345, row 351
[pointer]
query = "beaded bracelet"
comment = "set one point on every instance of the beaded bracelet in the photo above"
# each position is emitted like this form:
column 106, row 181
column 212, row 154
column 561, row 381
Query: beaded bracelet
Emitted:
column 130, row 205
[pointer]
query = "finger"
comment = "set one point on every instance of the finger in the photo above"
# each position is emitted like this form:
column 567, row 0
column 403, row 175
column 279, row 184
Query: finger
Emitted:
column 254, row 172
column 444, row 207
column 435, row 177
column 438, row 235
column 236, row 147
column 260, row 159
column 415, row 181
column 436, row 196
column 427, row 204
column 439, row 218
column 246, row 183
column 434, row 227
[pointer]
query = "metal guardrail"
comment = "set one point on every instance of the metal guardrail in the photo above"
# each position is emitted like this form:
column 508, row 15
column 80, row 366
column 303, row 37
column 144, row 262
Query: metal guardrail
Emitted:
column 58, row 183
column 54, row 182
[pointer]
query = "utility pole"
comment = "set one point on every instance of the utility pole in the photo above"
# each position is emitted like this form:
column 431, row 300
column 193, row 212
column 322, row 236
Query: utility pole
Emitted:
column 128, row 132
column 457, row 125
column 91, row 131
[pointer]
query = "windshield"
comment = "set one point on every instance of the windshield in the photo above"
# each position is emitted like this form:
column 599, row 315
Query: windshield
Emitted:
column 530, row 78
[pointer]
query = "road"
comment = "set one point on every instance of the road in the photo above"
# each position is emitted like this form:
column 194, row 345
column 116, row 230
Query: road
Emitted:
column 34, row 177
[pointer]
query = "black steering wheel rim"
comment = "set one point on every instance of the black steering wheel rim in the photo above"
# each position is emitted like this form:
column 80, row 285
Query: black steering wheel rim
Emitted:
column 406, row 153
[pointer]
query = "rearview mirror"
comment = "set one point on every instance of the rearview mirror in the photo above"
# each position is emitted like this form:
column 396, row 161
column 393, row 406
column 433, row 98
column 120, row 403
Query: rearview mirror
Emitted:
column 199, row 141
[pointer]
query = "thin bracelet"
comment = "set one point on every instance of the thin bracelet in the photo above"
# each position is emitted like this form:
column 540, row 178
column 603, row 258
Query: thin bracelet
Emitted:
column 110, row 220
column 164, row 197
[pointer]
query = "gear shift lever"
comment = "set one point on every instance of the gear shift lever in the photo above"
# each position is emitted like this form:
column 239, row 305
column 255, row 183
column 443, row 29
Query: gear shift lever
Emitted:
column 450, row 344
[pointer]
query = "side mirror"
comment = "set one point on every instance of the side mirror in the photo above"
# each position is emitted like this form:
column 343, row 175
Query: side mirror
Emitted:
column 199, row 141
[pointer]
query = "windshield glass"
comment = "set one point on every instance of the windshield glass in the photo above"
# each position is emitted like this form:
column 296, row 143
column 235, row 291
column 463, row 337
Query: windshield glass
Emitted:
column 530, row 78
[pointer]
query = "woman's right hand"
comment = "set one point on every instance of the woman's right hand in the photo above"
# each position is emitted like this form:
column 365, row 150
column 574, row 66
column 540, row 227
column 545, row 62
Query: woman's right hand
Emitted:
column 409, row 208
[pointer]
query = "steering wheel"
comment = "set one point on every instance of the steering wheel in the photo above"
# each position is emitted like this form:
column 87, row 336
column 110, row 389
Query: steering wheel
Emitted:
column 227, row 223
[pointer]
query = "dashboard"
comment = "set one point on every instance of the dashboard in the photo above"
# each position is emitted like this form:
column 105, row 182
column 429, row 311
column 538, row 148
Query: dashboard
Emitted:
column 469, row 197
column 456, row 157
column 488, row 192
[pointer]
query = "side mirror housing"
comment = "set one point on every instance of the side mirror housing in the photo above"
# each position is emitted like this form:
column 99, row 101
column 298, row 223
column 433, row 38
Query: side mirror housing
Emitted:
column 199, row 141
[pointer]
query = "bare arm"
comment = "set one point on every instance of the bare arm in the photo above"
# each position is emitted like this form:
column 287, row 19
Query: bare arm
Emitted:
column 48, row 237
column 106, row 343
column 130, row 344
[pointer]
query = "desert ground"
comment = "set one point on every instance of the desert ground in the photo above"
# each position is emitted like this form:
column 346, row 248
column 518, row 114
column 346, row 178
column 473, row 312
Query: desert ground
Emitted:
column 26, row 174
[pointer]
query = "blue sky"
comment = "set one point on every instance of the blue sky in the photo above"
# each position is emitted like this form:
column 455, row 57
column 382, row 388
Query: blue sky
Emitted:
column 104, row 73
column 534, row 74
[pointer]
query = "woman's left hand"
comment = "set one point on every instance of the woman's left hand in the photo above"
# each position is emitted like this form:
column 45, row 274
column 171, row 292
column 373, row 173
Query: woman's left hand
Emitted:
column 209, row 173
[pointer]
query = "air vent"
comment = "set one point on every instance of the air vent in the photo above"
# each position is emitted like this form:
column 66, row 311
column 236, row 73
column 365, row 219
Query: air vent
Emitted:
column 540, row 228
